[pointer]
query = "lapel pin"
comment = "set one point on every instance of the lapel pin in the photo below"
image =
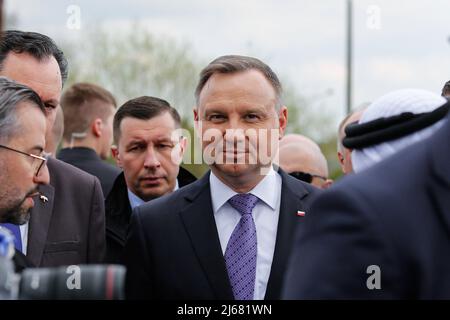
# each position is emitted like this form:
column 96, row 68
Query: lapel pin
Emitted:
column 300, row 213
column 43, row 198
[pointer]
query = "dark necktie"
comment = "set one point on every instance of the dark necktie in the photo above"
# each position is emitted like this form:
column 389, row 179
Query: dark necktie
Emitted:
column 240, row 255
column 15, row 230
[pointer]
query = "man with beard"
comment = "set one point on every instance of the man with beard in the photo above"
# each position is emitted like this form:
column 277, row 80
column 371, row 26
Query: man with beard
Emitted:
column 67, row 225
column 22, row 166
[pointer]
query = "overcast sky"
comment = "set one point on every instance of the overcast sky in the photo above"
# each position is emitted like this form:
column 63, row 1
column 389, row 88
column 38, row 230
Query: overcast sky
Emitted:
column 397, row 43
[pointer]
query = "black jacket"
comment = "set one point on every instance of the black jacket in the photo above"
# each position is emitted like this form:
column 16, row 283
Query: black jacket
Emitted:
column 69, row 226
column 118, row 215
column 382, row 233
column 173, row 250
column 87, row 160
column 21, row 262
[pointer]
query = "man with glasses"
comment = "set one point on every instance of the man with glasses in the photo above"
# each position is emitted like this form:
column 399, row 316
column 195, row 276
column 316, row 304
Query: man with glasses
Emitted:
column 22, row 165
column 302, row 158
column 67, row 225
column 383, row 233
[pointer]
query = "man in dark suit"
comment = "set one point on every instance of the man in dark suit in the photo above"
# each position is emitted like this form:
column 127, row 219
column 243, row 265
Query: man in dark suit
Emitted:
column 143, row 129
column 382, row 234
column 228, row 235
column 67, row 224
column 22, row 165
column 88, row 131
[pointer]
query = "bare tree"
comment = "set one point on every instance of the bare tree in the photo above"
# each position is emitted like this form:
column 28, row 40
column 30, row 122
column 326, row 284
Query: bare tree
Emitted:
column 135, row 63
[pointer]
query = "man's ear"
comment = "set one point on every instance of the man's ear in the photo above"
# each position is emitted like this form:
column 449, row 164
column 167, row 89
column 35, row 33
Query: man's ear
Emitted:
column 179, row 150
column 183, row 146
column 196, row 114
column 283, row 120
column 97, row 127
column 327, row 184
column 341, row 158
column 115, row 153
column 197, row 123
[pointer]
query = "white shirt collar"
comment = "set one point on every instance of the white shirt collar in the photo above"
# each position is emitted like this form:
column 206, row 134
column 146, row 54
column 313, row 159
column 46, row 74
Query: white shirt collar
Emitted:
column 221, row 193
column 135, row 201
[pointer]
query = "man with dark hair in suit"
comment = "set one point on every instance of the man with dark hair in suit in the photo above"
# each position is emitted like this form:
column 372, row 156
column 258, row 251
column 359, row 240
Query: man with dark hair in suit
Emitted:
column 67, row 224
column 149, row 150
column 22, row 165
column 88, row 131
column 228, row 235
column 383, row 233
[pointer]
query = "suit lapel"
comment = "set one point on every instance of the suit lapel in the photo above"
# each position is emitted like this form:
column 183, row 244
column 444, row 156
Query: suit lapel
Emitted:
column 291, row 202
column 21, row 262
column 198, row 219
column 39, row 224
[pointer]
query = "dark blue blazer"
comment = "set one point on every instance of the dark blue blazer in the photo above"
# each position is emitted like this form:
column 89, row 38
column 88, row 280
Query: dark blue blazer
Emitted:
column 395, row 215
column 173, row 249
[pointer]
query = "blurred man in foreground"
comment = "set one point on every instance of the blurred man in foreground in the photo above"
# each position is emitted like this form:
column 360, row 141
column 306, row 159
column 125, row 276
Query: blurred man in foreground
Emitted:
column 383, row 233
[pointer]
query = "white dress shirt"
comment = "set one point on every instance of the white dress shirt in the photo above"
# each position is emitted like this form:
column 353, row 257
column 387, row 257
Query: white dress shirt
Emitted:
column 24, row 235
column 265, row 214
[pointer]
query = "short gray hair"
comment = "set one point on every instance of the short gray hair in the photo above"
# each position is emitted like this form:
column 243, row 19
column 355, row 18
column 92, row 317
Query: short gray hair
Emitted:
column 234, row 64
column 11, row 94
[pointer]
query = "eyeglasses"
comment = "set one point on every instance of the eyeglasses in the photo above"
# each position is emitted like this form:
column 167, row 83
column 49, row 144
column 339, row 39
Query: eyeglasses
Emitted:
column 38, row 161
column 306, row 177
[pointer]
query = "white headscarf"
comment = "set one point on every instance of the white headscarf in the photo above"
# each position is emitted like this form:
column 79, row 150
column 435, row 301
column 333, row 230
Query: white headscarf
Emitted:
column 394, row 103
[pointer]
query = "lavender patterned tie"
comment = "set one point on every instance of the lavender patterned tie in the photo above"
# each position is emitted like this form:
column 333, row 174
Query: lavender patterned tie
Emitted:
column 240, row 255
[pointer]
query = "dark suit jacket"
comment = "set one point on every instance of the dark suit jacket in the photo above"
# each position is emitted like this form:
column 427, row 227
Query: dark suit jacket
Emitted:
column 21, row 262
column 70, row 227
column 173, row 250
column 118, row 215
column 87, row 160
column 395, row 215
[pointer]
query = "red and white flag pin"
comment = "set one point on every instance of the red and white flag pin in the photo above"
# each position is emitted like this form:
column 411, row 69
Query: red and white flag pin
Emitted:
column 300, row 213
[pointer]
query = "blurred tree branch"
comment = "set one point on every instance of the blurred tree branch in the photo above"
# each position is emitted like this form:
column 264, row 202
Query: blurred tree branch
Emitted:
column 1, row 16
column 134, row 62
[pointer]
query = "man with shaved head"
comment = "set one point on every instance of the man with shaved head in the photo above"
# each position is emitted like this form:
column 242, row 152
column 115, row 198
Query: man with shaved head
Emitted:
column 302, row 158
